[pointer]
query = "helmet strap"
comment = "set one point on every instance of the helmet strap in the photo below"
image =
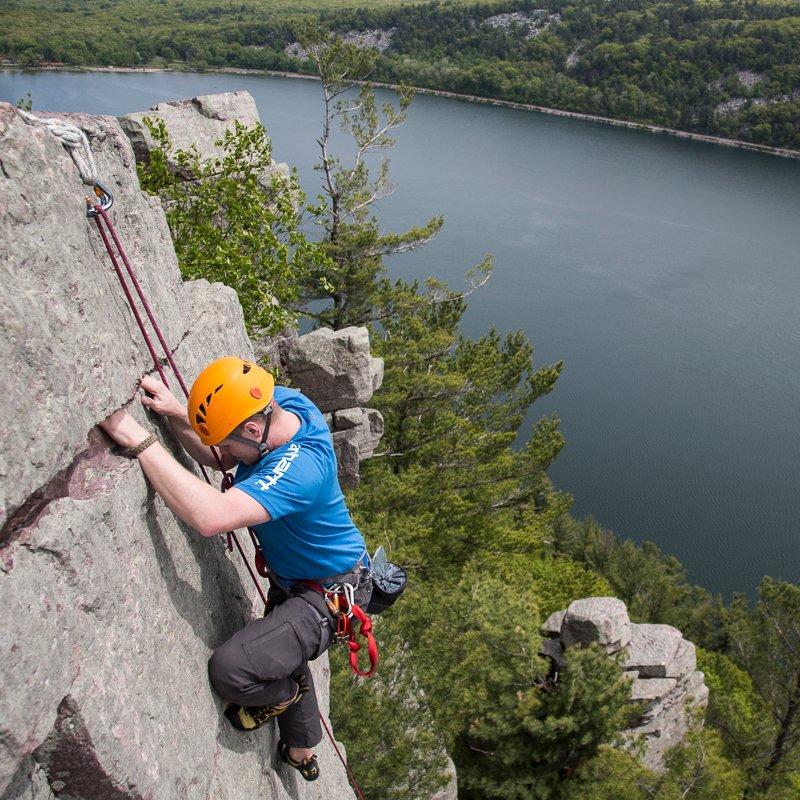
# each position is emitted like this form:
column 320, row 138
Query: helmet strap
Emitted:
column 262, row 445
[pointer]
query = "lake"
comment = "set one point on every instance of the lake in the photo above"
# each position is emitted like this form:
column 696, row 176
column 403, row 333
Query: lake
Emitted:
column 664, row 272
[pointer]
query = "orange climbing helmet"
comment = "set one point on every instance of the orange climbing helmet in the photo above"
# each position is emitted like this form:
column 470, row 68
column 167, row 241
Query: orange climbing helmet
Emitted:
column 225, row 394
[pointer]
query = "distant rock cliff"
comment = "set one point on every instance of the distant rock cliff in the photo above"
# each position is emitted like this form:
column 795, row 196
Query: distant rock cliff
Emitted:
column 659, row 662
column 111, row 607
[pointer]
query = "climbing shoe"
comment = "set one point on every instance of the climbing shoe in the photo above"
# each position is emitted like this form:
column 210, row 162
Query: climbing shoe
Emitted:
column 250, row 718
column 308, row 767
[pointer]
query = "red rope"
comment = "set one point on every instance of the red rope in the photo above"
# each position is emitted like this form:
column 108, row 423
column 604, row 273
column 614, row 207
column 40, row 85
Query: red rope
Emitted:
column 101, row 213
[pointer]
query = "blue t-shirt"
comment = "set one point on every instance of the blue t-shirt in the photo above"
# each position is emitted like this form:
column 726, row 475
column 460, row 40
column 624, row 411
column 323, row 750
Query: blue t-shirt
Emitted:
column 310, row 535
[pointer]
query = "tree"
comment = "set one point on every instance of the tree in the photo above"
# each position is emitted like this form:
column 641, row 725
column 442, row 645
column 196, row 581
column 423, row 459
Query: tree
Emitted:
column 235, row 219
column 765, row 641
column 353, row 240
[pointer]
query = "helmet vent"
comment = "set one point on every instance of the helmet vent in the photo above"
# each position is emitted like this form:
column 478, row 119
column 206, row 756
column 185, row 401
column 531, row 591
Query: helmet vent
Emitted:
column 199, row 419
column 208, row 399
column 245, row 367
column 218, row 388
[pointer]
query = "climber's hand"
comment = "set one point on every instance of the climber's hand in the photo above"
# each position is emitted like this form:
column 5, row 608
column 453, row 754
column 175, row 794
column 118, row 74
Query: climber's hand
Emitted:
column 124, row 429
column 162, row 400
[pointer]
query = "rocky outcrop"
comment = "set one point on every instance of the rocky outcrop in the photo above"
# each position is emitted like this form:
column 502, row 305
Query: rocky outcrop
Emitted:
column 197, row 122
column 659, row 662
column 110, row 606
column 337, row 369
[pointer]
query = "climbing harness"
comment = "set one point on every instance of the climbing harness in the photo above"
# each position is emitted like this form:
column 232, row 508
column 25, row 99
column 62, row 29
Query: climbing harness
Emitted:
column 77, row 145
column 340, row 601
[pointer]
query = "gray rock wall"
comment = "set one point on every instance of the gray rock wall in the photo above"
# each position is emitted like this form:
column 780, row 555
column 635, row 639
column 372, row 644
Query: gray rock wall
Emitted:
column 110, row 606
column 658, row 661
column 195, row 122
column 338, row 370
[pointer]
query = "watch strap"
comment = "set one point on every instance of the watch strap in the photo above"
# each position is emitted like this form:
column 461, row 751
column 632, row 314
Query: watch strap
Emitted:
column 133, row 452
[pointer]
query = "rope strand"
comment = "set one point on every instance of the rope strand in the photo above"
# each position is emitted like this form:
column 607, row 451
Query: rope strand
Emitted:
column 73, row 139
column 101, row 214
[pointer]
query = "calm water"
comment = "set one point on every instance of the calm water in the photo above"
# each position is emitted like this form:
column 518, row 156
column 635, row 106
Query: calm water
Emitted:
column 665, row 273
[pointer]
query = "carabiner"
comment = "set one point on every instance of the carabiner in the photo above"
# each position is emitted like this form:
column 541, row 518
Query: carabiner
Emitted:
column 106, row 199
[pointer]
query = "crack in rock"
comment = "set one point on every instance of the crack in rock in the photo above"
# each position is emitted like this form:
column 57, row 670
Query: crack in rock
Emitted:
column 90, row 473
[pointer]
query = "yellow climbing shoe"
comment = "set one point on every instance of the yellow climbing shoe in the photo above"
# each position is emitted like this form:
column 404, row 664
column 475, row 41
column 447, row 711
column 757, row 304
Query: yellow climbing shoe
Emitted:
column 250, row 718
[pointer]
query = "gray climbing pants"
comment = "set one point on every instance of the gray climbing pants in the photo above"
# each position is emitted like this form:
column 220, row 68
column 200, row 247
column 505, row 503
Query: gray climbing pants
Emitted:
column 254, row 667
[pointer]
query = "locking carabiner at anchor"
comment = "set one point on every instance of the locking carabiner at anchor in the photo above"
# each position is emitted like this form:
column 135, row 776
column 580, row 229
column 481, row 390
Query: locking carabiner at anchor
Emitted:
column 104, row 196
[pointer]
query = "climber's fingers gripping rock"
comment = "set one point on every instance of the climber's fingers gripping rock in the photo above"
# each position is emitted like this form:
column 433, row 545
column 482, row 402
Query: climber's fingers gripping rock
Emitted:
column 160, row 399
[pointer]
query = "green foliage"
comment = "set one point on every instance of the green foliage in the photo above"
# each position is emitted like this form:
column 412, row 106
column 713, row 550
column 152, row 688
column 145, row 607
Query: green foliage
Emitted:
column 235, row 219
column 541, row 734
column 694, row 770
column 387, row 727
column 26, row 102
column 735, row 709
column 675, row 64
column 765, row 641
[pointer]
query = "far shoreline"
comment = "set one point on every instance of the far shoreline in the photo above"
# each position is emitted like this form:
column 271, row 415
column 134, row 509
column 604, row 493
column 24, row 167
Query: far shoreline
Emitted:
column 737, row 144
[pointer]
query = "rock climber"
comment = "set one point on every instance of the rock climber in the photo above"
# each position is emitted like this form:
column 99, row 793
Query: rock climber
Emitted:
column 286, row 489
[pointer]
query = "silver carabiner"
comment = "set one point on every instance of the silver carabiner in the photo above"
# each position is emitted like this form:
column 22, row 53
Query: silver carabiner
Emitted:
column 104, row 197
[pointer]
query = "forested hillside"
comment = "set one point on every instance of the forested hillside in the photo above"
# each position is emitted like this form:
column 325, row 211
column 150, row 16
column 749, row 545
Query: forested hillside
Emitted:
column 724, row 68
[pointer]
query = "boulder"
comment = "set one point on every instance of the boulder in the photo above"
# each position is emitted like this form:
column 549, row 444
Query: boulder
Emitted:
column 355, row 444
column 649, row 689
column 348, row 418
column 199, row 122
column 333, row 367
column 376, row 371
column 597, row 619
column 651, row 649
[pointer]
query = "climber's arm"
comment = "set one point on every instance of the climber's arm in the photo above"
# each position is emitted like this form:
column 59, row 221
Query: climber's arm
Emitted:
column 197, row 503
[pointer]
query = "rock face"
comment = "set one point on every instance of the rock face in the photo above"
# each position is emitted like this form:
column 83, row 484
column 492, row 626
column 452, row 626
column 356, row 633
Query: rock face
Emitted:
column 659, row 662
column 338, row 371
column 110, row 606
column 199, row 121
